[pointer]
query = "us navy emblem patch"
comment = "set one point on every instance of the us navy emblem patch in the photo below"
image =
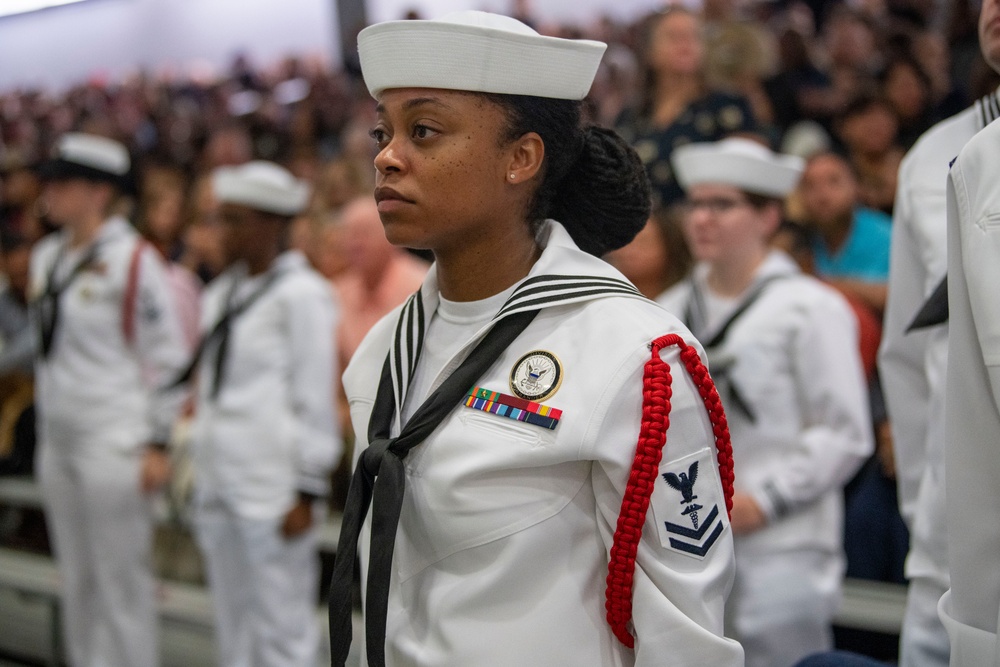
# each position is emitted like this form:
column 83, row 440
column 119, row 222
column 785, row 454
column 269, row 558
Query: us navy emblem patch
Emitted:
column 688, row 506
column 536, row 376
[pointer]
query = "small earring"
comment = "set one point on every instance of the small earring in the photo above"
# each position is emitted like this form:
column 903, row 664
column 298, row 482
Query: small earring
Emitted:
column 513, row 176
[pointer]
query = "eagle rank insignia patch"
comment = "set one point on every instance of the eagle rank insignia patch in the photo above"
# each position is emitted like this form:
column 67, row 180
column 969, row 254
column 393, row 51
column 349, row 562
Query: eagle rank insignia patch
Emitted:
column 688, row 506
column 536, row 376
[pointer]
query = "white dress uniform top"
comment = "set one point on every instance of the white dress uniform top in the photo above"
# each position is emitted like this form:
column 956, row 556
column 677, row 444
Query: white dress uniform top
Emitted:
column 970, row 608
column 271, row 431
column 913, row 365
column 503, row 542
column 792, row 359
column 265, row 435
column 97, row 411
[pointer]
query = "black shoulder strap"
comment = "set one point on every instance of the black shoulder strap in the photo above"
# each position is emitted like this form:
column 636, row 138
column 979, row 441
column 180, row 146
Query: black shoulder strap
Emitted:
column 748, row 301
column 47, row 305
column 220, row 334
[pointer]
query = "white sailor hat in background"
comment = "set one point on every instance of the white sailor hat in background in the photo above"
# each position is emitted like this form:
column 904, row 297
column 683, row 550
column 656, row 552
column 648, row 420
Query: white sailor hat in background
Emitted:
column 478, row 52
column 90, row 157
column 261, row 185
column 739, row 162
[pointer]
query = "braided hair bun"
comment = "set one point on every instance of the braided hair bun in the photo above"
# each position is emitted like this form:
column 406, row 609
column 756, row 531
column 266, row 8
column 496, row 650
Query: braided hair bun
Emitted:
column 604, row 198
column 593, row 182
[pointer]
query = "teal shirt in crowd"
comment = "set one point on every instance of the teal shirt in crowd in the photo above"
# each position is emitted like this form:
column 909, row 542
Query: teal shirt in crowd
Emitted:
column 865, row 253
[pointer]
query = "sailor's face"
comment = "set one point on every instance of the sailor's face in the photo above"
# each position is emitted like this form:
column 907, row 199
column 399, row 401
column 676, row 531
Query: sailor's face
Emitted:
column 441, row 166
column 67, row 200
column 721, row 224
column 989, row 32
column 243, row 231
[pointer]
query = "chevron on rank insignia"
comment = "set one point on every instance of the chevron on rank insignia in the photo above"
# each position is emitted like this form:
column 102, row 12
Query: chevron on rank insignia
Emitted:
column 512, row 407
column 688, row 506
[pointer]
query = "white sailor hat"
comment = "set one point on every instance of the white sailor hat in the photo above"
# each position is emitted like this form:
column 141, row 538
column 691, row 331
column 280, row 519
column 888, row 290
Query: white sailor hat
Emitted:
column 742, row 163
column 478, row 52
column 90, row 157
column 261, row 185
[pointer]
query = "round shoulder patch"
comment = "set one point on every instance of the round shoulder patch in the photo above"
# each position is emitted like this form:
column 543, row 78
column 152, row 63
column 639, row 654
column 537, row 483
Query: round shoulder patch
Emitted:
column 536, row 376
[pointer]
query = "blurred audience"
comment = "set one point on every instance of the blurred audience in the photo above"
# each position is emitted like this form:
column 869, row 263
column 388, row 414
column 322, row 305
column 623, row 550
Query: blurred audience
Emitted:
column 16, row 347
column 201, row 241
column 851, row 242
column 17, row 428
column 379, row 276
column 869, row 131
column 909, row 91
column 675, row 104
column 658, row 257
column 160, row 219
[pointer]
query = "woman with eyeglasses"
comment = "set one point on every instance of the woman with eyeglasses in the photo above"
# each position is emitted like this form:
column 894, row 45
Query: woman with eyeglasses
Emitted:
column 783, row 349
column 510, row 418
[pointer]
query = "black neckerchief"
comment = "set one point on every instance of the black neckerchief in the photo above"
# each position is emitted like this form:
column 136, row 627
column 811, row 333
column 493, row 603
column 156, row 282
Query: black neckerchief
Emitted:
column 695, row 317
column 47, row 305
column 934, row 310
column 220, row 332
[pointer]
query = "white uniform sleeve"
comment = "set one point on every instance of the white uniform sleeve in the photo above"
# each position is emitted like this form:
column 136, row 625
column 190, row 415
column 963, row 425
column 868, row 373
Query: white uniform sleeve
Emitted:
column 678, row 600
column 902, row 356
column 836, row 435
column 162, row 350
column 311, row 323
column 973, row 402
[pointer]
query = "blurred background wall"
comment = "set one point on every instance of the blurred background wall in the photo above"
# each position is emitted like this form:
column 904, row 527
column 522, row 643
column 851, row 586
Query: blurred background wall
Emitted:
column 107, row 39
column 57, row 47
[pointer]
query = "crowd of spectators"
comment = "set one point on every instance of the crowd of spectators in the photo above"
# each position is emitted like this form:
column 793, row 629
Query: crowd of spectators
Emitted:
column 849, row 85
column 865, row 79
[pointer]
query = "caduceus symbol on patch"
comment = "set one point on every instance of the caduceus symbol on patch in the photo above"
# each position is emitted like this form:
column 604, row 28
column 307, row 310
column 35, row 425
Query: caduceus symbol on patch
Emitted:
column 685, row 484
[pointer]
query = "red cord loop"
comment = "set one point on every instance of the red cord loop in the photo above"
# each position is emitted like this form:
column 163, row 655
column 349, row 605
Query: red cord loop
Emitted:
column 656, row 393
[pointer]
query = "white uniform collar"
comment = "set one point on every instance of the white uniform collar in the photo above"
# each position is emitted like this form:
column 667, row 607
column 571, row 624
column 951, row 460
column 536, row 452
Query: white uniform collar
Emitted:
column 560, row 255
column 563, row 274
column 113, row 228
column 289, row 260
column 776, row 263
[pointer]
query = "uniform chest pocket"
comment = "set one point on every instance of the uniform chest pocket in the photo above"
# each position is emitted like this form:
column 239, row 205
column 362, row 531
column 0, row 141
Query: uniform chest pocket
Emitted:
column 497, row 427
column 477, row 480
column 990, row 222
